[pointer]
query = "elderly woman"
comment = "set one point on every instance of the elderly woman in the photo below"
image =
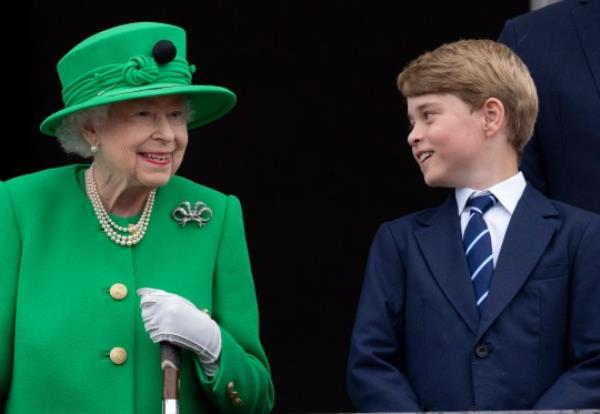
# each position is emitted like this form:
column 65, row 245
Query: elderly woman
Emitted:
column 79, row 241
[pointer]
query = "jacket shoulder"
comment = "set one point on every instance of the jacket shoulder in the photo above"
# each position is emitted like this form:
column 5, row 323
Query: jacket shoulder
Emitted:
column 544, row 16
column 181, row 190
column 64, row 171
column 407, row 224
column 188, row 190
column 42, row 184
column 569, row 220
column 575, row 216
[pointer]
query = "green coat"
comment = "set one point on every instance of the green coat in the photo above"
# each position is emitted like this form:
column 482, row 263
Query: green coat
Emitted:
column 59, row 322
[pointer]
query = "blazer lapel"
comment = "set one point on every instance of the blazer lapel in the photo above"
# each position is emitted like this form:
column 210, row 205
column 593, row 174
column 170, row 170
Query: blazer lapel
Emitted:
column 526, row 239
column 441, row 245
column 587, row 22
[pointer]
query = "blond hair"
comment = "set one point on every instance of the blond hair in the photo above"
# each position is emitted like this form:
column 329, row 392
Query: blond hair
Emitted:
column 475, row 70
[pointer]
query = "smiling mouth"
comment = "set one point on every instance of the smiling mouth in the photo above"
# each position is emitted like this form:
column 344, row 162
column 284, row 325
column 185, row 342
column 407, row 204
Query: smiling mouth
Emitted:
column 156, row 158
column 424, row 156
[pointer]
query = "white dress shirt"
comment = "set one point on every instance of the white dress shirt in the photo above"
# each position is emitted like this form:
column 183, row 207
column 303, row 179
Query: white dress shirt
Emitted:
column 508, row 193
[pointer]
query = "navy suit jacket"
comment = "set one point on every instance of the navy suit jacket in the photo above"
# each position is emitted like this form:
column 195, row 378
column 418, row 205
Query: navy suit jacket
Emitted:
column 418, row 342
column 560, row 44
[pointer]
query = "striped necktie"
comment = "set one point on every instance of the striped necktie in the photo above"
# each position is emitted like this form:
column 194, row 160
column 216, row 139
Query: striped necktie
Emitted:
column 478, row 247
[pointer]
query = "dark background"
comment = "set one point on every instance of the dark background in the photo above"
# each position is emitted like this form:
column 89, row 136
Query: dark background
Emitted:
column 315, row 148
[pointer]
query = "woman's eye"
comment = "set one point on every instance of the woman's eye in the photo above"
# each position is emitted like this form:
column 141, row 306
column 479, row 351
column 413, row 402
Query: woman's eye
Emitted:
column 177, row 114
column 143, row 114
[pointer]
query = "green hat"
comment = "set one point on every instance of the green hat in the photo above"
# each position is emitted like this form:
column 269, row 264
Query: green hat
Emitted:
column 132, row 61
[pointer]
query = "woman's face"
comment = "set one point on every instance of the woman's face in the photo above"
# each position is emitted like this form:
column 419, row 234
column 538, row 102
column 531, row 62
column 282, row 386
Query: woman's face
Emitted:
column 142, row 142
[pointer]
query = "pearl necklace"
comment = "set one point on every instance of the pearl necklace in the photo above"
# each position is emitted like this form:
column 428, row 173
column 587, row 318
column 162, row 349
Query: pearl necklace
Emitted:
column 134, row 232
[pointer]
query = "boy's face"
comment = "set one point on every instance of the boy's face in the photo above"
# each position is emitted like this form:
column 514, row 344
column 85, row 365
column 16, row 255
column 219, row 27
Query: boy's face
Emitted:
column 447, row 139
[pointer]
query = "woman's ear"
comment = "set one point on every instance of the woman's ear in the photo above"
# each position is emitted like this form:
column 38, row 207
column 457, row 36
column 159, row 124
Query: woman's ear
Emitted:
column 89, row 133
column 494, row 116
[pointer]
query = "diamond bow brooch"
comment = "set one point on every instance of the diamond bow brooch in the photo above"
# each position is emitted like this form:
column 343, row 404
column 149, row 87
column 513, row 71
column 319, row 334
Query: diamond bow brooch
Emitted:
column 184, row 213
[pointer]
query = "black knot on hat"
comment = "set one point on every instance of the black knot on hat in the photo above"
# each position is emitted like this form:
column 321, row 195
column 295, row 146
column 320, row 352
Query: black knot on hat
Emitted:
column 164, row 51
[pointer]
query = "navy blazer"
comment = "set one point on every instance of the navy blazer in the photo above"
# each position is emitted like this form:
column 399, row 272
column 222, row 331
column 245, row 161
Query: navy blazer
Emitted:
column 561, row 46
column 418, row 342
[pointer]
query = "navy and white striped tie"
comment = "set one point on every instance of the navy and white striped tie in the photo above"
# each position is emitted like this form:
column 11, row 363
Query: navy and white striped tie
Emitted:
column 478, row 247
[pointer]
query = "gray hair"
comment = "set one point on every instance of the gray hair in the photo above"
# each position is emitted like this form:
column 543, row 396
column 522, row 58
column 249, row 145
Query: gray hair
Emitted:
column 69, row 132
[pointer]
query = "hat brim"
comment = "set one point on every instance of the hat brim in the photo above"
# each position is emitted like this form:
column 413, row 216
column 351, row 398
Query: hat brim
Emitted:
column 208, row 102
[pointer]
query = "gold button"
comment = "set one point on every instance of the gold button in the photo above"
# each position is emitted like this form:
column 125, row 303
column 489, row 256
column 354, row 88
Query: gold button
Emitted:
column 118, row 291
column 237, row 402
column 118, row 355
column 231, row 392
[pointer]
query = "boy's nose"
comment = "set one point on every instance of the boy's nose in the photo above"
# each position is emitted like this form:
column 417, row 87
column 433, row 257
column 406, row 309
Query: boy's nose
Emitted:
column 414, row 137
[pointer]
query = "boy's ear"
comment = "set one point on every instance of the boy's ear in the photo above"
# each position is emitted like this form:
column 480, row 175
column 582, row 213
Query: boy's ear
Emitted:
column 493, row 116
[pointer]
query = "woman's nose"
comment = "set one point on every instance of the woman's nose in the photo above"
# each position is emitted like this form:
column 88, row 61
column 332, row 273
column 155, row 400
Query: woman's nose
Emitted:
column 164, row 129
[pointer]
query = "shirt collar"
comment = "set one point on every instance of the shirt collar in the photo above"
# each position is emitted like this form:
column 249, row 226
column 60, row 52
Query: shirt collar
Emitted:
column 508, row 193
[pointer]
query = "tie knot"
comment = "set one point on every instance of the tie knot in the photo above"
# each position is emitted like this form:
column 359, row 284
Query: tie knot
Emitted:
column 481, row 203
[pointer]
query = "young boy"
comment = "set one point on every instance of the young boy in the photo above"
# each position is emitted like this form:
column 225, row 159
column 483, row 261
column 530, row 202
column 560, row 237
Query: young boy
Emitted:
column 490, row 301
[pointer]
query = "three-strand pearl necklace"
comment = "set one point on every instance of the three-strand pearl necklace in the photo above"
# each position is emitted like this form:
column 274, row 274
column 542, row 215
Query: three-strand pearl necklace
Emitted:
column 124, row 236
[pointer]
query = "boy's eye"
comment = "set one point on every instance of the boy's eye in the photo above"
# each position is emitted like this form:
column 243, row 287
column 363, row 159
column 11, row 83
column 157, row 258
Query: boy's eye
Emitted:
column 427, row 115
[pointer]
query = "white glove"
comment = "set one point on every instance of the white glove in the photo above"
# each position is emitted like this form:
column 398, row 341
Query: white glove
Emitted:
column 172, row 318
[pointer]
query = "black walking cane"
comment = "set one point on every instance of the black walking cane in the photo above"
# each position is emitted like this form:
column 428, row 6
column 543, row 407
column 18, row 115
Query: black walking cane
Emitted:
column 169, row 363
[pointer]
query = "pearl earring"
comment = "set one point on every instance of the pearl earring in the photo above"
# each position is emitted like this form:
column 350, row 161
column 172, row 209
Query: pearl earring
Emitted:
column 94, row 149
